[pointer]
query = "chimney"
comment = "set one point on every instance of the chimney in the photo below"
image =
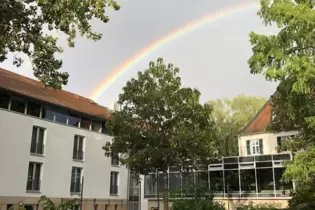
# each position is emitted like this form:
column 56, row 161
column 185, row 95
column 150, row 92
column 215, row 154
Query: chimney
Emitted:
column 117, row 107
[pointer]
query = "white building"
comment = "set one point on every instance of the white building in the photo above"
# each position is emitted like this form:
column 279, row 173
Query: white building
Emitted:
column 255, row 139
column 51, row 139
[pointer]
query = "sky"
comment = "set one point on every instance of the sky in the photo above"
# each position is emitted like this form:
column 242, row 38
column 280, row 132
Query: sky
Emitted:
column 212, row 58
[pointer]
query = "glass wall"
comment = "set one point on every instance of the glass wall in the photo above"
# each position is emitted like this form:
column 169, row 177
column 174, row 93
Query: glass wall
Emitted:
column 50, row 112
column 251, row 176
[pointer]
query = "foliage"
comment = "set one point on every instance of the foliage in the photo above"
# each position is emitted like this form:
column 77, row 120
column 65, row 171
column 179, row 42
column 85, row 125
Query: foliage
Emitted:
column 200, row 199
column 48, row 204
column 161, row 124
column 24, row 25
column 303, row 198
column 230, row 116
column 288, row 57
column 266, row 206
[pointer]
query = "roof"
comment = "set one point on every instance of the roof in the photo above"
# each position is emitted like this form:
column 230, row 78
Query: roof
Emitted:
column 31, row 88
column 260, row 122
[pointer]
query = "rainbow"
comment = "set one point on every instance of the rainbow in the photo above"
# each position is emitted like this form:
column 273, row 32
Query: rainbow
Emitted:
column 118, row 72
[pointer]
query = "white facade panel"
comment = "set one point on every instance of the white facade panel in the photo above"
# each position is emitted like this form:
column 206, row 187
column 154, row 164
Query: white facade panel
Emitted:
column 15, row 142
column 269, row 141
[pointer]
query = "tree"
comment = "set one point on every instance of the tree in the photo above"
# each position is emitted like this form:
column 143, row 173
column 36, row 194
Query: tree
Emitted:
column 161, row 124
column 230, row 116
column 288, row 57
column 24, row 23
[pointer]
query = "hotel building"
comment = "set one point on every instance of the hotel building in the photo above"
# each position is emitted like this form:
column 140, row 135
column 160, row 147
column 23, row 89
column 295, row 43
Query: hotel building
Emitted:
column 51, row 144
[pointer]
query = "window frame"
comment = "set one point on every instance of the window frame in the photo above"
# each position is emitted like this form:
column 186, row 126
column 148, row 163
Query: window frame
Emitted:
column 33, row 176
column 38, row 128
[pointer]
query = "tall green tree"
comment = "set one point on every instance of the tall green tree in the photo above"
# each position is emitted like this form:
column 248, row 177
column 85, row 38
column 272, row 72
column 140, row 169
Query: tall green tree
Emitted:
column 230, row 116
column 161, row 124
column 24, row 23
column 288, row 57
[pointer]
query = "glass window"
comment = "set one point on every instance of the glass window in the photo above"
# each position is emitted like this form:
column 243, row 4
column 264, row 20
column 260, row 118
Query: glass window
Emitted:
column 282, row 188
column 149, row 185
column 201, row 179
column 96, row 126
column 104, row 129
column 160, row 183
column 4, row 101
column 48, row 114
column 265, row 183
column 75, row 186
column 231, row 179
column 61, row 117
column 17, row 105
column 85, row 123
column 74, row 120
column 216, row 182
column 33, row 109
column 248, row 183
column 114, row 183
column 174, row 183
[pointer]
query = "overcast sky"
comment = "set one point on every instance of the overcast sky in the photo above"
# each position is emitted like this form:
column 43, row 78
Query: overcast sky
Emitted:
column 212, row 58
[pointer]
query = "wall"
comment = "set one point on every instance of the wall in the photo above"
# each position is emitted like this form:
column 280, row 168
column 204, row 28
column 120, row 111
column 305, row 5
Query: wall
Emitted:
column 15, row 141
column 269, row 141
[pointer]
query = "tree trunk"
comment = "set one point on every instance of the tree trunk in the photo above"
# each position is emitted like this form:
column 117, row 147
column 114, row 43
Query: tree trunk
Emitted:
column 165, row 191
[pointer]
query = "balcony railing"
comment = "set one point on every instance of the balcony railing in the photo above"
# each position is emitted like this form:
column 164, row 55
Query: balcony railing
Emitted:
column 33, row 185
column 78, row 155
column 114, row 189
column 37, row 149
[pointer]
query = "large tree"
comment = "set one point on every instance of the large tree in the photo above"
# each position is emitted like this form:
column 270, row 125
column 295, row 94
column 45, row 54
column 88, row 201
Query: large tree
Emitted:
column 289, row 57
column 161, row 124
column 230, row 116
column 24, row 25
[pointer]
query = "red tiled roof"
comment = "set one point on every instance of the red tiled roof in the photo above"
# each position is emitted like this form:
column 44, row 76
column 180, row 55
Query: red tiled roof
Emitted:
column 35, row 89
column 260, row 122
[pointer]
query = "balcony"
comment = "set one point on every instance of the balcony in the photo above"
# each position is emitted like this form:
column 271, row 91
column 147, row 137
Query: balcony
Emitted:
column 114, row 190
column 78, row 155
column 33, row 185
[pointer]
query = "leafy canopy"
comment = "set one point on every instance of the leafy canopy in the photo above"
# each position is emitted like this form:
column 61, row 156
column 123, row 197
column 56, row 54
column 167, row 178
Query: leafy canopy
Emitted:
column 288, row 57
column 161, row 124
column 230, row 116
column 23, row 24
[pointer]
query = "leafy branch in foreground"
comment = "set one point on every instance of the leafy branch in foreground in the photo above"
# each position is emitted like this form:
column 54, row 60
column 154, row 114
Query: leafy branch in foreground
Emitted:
column 24, row 25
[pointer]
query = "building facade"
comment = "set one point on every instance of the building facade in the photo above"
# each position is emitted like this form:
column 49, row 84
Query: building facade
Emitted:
column 252, row 177
column 51, row 144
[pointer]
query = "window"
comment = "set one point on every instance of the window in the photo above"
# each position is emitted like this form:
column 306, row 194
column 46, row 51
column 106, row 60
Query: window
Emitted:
column 37, row 144
column 17, row 105
column 48, row 114
column 33, row 109
column 33, row 177
column 96, row 126
column 280, row 139
column 114, row 183
column 61, row 116
column 74, row 120
column 75, row 186
column 4, row 101
column 85, row 124
column 116, row 206
column 106, row 206
column 78, row 147
column 254, row 147
column 115, row 160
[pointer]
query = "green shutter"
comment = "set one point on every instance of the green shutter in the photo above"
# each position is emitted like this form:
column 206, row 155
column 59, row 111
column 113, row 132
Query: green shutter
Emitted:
column 248, row 146
column 261, row 146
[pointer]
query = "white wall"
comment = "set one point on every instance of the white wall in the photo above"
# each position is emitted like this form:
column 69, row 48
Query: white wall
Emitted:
column 15, row 141
column 269, row 141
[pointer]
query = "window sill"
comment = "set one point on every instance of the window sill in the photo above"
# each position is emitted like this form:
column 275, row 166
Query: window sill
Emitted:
column 113, row 194
column 79, row 161
column 75, row 193
column 38, row 155
column 33, row 191
column 114, row 165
